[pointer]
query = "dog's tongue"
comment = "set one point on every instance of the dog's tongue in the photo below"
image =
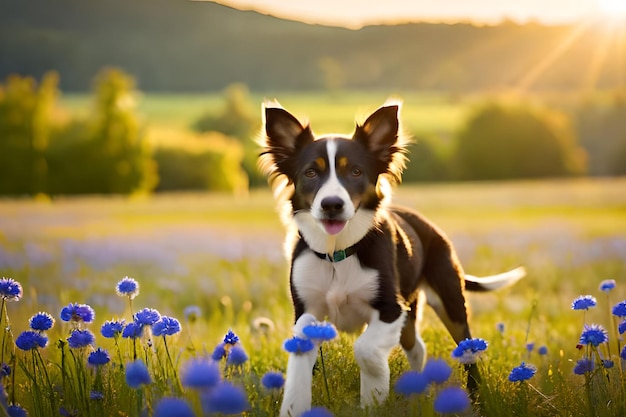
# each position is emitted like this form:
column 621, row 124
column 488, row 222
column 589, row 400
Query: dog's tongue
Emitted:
column 333, row 227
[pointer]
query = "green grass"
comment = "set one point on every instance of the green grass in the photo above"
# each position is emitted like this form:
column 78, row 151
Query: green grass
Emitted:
column 224, row 254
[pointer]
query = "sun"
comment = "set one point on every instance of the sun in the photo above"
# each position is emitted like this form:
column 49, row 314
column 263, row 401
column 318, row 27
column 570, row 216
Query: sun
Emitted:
column 613, row 8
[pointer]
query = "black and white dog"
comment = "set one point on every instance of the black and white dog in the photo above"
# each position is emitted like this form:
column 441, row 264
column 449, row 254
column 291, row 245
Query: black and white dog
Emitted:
column 356, row 260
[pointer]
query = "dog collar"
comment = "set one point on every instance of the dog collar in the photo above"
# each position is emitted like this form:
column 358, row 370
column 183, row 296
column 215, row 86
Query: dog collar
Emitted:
column 338, row 255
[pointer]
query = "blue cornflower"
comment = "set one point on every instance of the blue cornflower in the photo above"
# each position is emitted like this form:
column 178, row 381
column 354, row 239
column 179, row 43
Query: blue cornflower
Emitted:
column 10, row 289
column 166, row 326
column 98, row 357
column 192, row 313
column 31, row 339
column 200, row 374
column 16, row 410
column 584, row 302
column 543, row 350
column 5, row 370
column 219, row 352
column 273, row 380
column 231, row 338
column 411, row 382
column 437, row 371
column 225, row 398
column 619, row 309
column 607, row 363
column 530, row 346
column 132, row 330
column 317, row 412
column 96, row 395
column 593, row 335
column 127, row 287
column 469, row 350
column 622, row 327
column 298, row 345
column 321, row 331
column 500, row 327
column 607, row 285
column 623, row 353
column 80, row 338
column 112, row 328
column 41, row 322
column 451, row 400
column 137, row 374
column 583, row 366
column 522, row 373
column 236, row 356
column 173, row 407
column 147, row 316
column 78, row 313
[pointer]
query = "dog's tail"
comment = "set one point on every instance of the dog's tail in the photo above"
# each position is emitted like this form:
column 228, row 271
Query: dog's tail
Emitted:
column 494, row 282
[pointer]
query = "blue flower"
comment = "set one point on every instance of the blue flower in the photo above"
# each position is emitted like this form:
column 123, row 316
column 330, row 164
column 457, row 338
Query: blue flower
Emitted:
column 15, row 410
column 500, row 327
column 273, row 380
column 96, row 396
column 231, row 338
column 173, row 407
column 530, row 346
column 437, row 371
column 583, row 366
column 298, row 345
column 41, row 322
column 225, row 398
column 78, row 313
column 584, row 302
column 607, row 285
column 619, row 309
column 192, row 313
column 623, row 353
column 127, row 287
column 137, row 374
column 411, row 382
column 112, row 328
column 451, row 400
column 622, row 327
column 607, row 363
column 5, row 370
column 469, row 350
column 132, row 330
column 522, row 373
column 98, row 357
column 543, row 350
column 30, row 339
column 200, row 374
column 236, row 356
column 317, row 412
column 10, row 289
column 167, row 326
column 593, row 335
column 147, row 316
column 322, row 331
column 219, row 352
column 80, row 338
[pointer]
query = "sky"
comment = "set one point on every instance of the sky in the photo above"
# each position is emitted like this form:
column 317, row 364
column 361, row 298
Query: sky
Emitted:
column 356, row 13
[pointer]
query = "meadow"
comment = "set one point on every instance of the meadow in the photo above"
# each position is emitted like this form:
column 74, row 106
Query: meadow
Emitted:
column 223, row 256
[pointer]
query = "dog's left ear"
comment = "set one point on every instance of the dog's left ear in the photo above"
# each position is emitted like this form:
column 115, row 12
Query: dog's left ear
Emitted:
column 379, row 133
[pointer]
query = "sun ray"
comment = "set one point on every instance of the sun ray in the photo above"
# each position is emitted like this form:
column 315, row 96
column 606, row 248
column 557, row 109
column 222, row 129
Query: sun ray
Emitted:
column 597, row 61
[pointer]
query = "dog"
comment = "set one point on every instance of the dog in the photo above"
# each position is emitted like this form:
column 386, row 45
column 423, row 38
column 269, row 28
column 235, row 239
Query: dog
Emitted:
column 357, row 260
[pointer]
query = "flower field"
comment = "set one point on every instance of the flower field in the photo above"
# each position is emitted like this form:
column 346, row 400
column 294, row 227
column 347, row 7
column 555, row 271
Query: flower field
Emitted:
column 177, row 305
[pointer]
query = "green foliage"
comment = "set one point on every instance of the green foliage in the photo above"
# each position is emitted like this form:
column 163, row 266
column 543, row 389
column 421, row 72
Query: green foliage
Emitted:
column 505, row 142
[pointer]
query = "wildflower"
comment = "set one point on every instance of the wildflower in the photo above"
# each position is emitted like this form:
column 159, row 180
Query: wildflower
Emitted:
column 132, row 330
column 80, row 339
column 273, row 380
column 522, row 373
column 619, row 309
column 623, row 353
column 5, row 370
column 137, row 374
column 607, row 285
column 231, row 338
column 96, row 396
column 584, row 302
column 112, row 328
column 411, row 382
column 10, row 289
column 593, row 335
column 30, row 339
column 173, row 407
column 437, row 371
column 607, row 363
column 322, row 331
column 317, row 412
column 98, row 357
column 147, row 316
column 622, row 327
column 236, row 356
column 16, row 410
column 192, row 313
column 298, row 345
column 469, row 350
column 219, row 352
column 263, row 325
column 167, row 326
column 200, row 374
column 78, row 313
column 543, row 350
column 583, row 366
column 41, row 322
column 225, row 398
column 451, row 400
column 127, row 287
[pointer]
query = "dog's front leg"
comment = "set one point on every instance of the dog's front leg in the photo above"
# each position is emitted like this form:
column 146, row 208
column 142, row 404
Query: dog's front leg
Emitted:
column 299, row 378
column 371, row 351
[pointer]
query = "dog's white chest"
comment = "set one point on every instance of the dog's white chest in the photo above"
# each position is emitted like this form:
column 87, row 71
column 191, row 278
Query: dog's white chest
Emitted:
column 340, row 292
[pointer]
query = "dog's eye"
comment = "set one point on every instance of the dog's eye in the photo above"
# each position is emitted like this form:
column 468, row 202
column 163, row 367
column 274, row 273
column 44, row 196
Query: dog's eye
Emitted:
column 356, row 172
column 310, row 173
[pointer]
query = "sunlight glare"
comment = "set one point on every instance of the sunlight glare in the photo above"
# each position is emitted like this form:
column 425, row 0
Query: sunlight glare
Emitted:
column 614, row 8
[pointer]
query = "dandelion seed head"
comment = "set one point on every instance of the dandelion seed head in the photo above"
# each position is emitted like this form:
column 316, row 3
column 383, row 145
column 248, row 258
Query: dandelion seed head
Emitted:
column 273, row 380
column 451, row 400
column 298, row 345
column 166, row 326
column 98, row 357
column 607, row 285
column 10, row 289
column 225, row 398
column 147, row 316
column 437, row 371
column 80, row 339
column 41, row 322
column 594, row 335
column 192, row 313
column 200, row 373
column 137, row 374
column 127, row 287
column 263, row 325
column 584, row 302
column 522, row 373
column 112, row 328
column 31, row 339
column 411, row 382
column 173, row 407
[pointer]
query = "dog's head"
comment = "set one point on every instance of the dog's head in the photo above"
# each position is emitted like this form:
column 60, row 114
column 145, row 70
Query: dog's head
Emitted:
column 330, row 179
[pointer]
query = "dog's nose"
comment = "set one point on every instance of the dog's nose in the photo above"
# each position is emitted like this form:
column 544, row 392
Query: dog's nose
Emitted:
column 332, row 206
